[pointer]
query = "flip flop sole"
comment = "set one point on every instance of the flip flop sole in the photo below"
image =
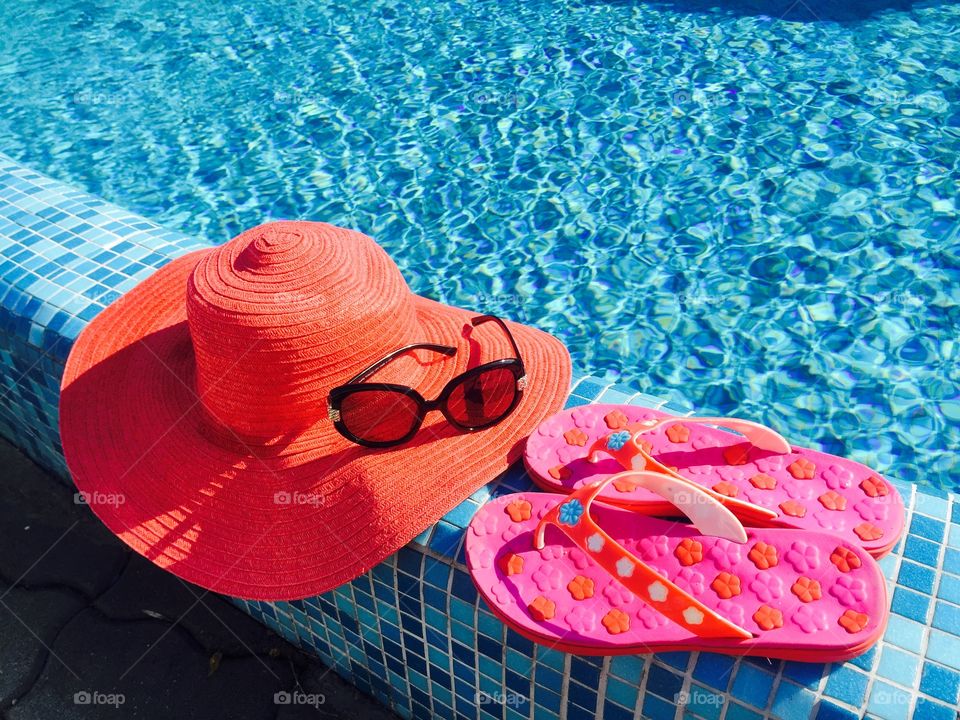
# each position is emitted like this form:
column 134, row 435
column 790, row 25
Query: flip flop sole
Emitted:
column 804, row 596
column 808, row 489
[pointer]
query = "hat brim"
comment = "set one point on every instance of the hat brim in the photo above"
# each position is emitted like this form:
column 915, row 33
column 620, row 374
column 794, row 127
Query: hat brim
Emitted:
column 297, row 518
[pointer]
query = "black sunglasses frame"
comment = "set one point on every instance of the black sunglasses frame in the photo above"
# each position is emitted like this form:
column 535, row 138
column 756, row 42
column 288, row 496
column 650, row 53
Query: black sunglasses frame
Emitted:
column 424, row 406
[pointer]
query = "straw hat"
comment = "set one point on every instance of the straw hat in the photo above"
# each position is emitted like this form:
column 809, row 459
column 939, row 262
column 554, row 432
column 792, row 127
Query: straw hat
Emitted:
column 193, row 411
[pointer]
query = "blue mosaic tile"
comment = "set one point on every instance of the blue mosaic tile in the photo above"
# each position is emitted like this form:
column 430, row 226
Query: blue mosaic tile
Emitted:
column 889, row 702
column 752, row 686
column 847, row 684
column 928, row 710
column 793, row 701
column 940, row 682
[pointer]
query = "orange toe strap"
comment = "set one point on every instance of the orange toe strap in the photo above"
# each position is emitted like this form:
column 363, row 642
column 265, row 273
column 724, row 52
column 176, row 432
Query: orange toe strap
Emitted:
column 629, row 449
column 572, row 517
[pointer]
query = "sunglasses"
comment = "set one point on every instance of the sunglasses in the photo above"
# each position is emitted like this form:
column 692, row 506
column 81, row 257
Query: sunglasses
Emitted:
column 380, row 415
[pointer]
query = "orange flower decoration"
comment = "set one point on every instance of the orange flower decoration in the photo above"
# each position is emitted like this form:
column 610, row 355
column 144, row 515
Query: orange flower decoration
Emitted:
column 624, row 485
column 616, row 622
column 764, row 556
column 725, row 488
column 793, row 508
column 737, row 454
column 615, row 420
column 559, row 472
column 845, row 559
column 768, row 618
column 866, row 531
column 726, row 585
column 806, row 589
column 853, row 621
column 802, row 469
column 580, row 588
column 762, row 481
column 575, row 436
column 542, row 608
column 874, row 487
column 678, row 433
column 832, row 500
column 689, row 551
column 519, row 510
column 511, row 564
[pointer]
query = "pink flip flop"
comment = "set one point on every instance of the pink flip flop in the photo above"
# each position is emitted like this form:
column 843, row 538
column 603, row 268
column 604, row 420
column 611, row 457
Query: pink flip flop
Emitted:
column 757, row 474
column 596, row 579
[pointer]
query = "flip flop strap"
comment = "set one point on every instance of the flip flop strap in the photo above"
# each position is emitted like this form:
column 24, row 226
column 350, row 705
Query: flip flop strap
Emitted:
column 626, row 447
column 572, row 517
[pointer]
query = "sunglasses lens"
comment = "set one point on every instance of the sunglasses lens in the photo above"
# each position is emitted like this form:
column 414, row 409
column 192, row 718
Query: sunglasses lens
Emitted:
column 483, row 399
column 380, row 416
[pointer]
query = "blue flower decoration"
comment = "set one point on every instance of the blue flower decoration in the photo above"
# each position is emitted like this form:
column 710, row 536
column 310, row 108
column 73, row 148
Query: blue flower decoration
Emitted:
column 570, row 512
column 618, row 440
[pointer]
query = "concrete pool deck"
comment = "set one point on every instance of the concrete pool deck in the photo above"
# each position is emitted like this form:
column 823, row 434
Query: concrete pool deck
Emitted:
column 413, row 633
column 89, row 629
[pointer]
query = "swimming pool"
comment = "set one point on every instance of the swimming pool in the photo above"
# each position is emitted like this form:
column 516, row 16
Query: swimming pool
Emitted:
column 750, row 205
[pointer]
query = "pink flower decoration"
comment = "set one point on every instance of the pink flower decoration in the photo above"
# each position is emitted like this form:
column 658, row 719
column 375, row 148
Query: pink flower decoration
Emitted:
column 771, row 464
column 837, row 477
column 585, row 417
column 650, row 618
column 830, row 520
column 726, row 554
column 513, row 529
column 551, row 552
column 582, row 620
column 702, row 441
column 616, row 594
column 579, row 559
column 849, row 590
column 503, row 595
column 731, row 611
column 767, row 587
column 731, row 473
column 871, row 510
column 483, row 558
column 691, row 580
column 799, row 490
column 547, row 577
column 485, row 524
column 551, row 428
column 810, row 618
column 803, row 557
column 652, row 548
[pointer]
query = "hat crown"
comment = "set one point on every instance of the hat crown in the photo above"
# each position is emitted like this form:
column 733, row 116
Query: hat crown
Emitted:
column 283, row 313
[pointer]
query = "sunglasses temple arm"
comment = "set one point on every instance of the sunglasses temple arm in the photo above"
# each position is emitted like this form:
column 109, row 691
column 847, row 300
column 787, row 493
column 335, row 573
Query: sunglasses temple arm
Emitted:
column 499, row 321
column 445, row 349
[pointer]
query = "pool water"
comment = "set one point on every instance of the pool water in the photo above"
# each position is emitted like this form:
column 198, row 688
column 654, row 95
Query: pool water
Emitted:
column 752, row 206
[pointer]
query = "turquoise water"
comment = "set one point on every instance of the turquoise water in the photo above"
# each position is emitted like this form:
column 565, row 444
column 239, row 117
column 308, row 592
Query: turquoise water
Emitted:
column 752, row 206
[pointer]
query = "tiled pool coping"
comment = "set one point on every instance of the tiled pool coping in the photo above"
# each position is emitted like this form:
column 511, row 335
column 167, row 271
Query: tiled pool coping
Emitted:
column 413, row 632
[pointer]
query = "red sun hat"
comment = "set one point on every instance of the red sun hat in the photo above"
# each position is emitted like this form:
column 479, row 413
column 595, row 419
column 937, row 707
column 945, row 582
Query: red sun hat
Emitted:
column 194, row 417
